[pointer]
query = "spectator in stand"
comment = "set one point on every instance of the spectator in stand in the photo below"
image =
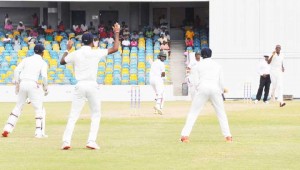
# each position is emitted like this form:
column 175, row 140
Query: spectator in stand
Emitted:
column 163, row 20
column 6, row 39
column 101, row 28
column 110, row 32
column 44, row 25
column 102, row 34
column 109, row 39
column 84, row 27
column 133, row 43
column 49, row 30
column 17, row 44
column 125, row 42
column 149, row 33
column 78, row 30
column 61, row 26
column 189, row 34
column 9, row 26
column 35, row 20
column 123, row 25
column 126, row 32
column 162, row 39
column 189, row 42
column 40, row 30
column 197, row 22
column 167, row 35
column 21, row 27
column 134, row 35
column 58, row 37
column 165, row 48
column 33, row 33
column 6, row 19
column 156, row 30
column 92, row 28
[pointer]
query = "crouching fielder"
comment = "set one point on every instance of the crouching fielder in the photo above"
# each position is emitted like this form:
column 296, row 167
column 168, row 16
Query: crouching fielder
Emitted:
column 157, row 74
column 210, row 87
column 26, row 76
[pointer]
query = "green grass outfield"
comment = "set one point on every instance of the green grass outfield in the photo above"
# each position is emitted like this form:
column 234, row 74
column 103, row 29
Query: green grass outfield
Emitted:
column 265, row 137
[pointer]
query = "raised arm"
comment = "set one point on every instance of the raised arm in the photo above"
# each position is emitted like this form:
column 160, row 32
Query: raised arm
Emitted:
column 69, row 47
column 270, row 59
column 115, row 48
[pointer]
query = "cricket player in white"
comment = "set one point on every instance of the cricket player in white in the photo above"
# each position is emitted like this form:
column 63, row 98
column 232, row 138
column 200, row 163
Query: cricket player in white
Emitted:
column 85, row 62
column 209, row 76
column 157, row 74
column 194, row 59
column 276, row 74
column 26, row 77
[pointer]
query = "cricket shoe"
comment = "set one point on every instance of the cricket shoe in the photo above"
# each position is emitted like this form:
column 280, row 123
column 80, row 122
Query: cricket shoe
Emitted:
column 185, row 139
column 228, row 139
column 92, row 145
column 255, row 101
column 158, row 110
column 66, row 145
column 282, row 104
column 5, row 133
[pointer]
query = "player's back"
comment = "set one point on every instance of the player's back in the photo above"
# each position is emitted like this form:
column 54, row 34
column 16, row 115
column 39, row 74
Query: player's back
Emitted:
column 31, row 67
column 209, row 73
column 86, row 63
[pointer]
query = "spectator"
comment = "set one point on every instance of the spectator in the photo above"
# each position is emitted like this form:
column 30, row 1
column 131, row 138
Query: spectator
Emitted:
column 149, row 33
column 102, row 34
column 165, row 48
column 91, row 28
column 44, row 25
column 189, row 42
column 33, row 33
column 84, row 27
column 101, row 28
column 134, row 35
column 9, row 26
column 49, row 30
column 125, row 42
column 156, row 30
column 21, row 27
column 6, row 39
column 126, row 32
column 17, row 44
column 77, row 30
column 133, row 43
column 61, row 26
column 110, row 33
column 167, row 35
column 109, row 39
column 58, row 37
column 40, row 30
column 35, row 20
column 6, row 20
column 197, row 22
column 162, row 39
column 163, row 20
column 189, row 33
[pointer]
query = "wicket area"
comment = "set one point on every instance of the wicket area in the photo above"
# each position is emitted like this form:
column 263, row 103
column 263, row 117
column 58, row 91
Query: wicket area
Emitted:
column 135, row 99
column 247, row 92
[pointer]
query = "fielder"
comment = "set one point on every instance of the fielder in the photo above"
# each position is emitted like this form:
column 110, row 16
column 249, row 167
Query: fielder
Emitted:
column 26, row 77
column 85, row 62
column 209, row 76
column 157, row 74
column 276, row 74
column 194, row 59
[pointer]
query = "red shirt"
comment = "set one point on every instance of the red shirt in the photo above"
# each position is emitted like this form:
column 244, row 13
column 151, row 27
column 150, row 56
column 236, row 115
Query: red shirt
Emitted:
column 103, row 34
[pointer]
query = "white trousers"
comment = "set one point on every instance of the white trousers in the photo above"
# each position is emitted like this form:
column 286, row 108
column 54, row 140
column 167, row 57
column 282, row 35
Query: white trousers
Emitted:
column 277, row 84
column 28, row 89
column 201, row 97
column 84, row 91
column 158, row 87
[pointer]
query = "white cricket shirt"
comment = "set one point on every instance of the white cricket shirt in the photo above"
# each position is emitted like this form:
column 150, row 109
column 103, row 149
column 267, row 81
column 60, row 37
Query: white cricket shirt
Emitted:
column 157, row 68
column 263, row 68
column 277, row 61
column 209, row 74
column 85, row 62
column 31, row 68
